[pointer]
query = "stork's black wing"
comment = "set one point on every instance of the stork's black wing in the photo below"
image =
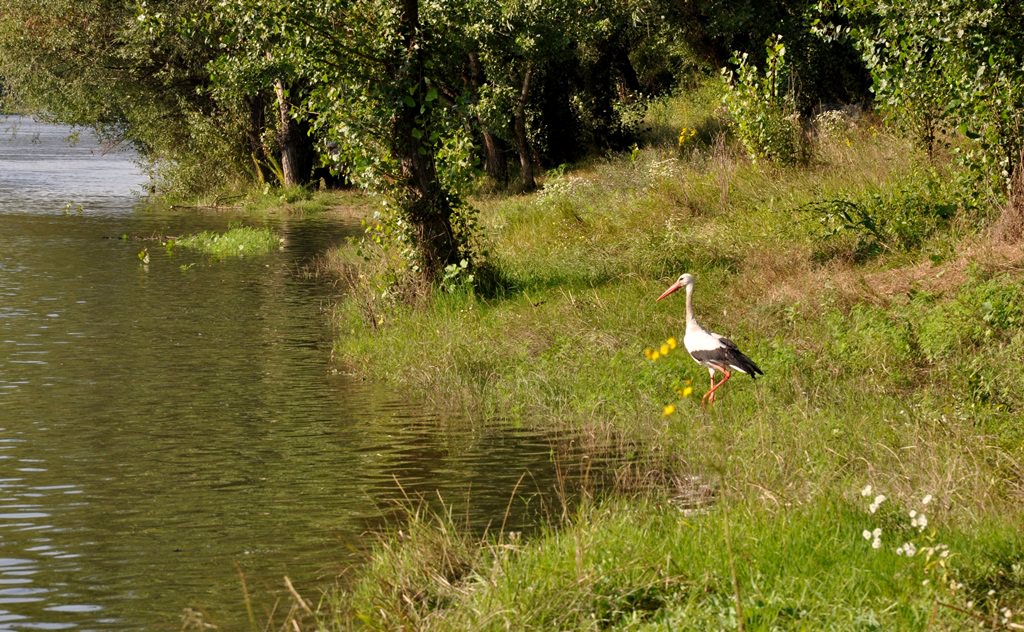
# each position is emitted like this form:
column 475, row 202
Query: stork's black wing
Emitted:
column 735, row 358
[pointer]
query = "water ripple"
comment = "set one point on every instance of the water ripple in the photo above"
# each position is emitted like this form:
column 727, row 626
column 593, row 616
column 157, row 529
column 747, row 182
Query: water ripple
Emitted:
column 165, row 429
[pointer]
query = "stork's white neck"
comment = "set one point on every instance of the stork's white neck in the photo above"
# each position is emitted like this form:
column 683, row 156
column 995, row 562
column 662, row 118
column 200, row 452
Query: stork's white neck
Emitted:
column 691, row 322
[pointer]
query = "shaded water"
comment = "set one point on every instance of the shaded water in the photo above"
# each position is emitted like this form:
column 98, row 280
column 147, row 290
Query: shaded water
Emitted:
column 164, row 427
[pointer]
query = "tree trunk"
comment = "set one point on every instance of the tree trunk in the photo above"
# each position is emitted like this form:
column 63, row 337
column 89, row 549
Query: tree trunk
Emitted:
column 421, row 197
column 522, row 146
column 495, row 164
column 494, row 156
column 630, row 82
column 296, row 146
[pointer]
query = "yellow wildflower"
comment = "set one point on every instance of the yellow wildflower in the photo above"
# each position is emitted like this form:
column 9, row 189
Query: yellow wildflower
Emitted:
column 655, row 355
column 684, row 391
column 671, row 342
column 668, row 410
column 649, row 353
column 664, row 349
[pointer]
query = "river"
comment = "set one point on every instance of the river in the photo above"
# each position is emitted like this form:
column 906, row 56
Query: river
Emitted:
column 168, row 428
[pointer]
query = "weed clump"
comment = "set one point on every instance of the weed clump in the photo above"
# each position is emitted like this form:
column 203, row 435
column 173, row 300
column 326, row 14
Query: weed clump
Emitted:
column 238, row 241
column 891, row 220
column 763, row 107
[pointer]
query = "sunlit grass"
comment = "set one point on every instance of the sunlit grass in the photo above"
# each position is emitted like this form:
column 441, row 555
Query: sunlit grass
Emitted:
column 300, row 201
column 240, row 241
column 645, row 564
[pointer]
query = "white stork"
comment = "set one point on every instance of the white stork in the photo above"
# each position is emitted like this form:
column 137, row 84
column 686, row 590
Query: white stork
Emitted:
column 709, row 349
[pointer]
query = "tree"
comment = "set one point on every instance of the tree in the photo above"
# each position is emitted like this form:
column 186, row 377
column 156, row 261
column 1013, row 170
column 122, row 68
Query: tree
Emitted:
column 517, row 42
column 248, row 67
column 955, row 66
column 375, row 82
column 824, row 70
column 552, row 74
column 92, row 63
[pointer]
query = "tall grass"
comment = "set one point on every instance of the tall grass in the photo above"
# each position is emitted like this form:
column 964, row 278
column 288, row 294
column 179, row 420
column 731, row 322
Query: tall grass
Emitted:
column 901, row 370
column 643, row 564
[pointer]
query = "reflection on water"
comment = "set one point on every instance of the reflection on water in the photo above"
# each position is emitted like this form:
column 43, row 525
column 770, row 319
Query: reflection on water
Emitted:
column 45, row 167
column 166, row 427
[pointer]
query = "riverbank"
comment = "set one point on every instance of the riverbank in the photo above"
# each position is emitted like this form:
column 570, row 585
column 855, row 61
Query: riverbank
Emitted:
column 889, row 328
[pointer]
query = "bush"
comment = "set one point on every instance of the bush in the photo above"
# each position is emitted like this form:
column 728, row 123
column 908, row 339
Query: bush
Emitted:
column 894, row 220
column 763, row 107
column 952, row 68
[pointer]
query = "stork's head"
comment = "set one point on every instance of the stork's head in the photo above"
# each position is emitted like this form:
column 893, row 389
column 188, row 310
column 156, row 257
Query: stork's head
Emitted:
column 684, row 280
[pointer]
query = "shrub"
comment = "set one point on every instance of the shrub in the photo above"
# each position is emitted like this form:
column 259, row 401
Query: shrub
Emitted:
column 763, row 106
column 899, row 219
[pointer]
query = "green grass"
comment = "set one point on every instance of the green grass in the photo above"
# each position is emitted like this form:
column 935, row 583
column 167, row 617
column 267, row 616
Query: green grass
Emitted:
column 898, row 366
column 239, row 241
column 305, row 202
column 644, row 564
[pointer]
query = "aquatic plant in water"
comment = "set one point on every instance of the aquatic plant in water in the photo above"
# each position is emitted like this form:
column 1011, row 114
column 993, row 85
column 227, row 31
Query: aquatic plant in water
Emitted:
column 238, row 241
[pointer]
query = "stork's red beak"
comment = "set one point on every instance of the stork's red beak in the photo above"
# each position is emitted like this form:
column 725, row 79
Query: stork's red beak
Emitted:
column 675, row 286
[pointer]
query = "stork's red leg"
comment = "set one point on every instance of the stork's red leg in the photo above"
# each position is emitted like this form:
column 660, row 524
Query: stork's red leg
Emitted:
column 703, row 400
column 711, row 394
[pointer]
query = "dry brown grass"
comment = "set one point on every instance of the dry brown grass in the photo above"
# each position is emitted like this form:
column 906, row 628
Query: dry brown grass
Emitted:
column 792, row 278
column 1009, row 228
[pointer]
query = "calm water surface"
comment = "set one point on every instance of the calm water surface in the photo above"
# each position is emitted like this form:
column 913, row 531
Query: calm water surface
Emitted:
column 166, row 427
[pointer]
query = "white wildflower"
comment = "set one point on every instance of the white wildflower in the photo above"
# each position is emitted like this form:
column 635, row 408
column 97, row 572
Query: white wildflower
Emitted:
column 879, row 499
column 866, row 491
column 875, row 536
column 927, row 499
column 919, row 522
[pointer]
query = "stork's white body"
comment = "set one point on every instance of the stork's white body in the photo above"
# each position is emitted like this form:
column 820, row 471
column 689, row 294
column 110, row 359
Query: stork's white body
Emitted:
column 699, row 339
